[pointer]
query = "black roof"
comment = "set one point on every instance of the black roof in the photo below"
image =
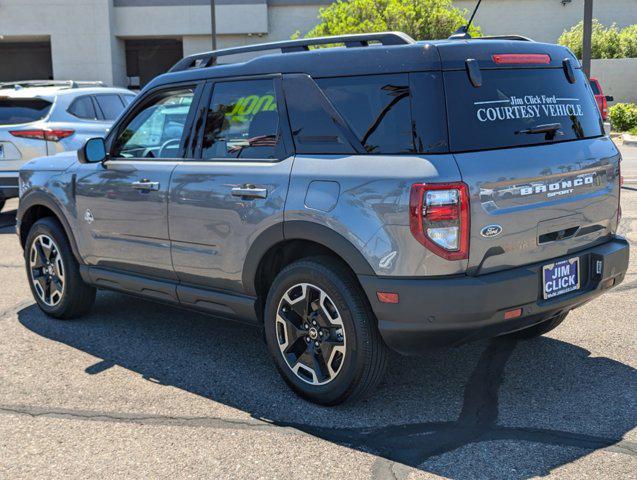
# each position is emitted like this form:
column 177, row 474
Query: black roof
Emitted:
column 374, row 59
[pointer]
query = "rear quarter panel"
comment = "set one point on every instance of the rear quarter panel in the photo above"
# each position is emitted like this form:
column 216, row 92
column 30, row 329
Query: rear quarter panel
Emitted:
column 370, row 207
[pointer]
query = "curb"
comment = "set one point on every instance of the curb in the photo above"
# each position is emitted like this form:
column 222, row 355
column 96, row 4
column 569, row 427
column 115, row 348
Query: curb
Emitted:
column 629, row 140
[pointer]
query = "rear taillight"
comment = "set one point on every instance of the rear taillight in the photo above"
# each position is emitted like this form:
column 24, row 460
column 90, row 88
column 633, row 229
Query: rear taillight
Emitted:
column 521, row 58
column 604, row 108
column 439, row 218
column 43, row 134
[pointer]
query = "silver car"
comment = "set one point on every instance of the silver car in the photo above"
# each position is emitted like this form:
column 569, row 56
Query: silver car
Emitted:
column 47, row 117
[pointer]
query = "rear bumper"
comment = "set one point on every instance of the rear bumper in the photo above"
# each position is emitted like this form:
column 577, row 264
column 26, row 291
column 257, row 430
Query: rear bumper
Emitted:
column 453, row 310
column 8, row 184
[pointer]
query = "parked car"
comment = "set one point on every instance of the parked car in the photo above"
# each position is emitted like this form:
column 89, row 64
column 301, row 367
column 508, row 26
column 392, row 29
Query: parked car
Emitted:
column 45, row 117
column 345, row 200
column 601, row 99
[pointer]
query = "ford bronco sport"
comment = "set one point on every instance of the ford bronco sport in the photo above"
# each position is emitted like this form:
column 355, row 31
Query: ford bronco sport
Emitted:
column 391, row 193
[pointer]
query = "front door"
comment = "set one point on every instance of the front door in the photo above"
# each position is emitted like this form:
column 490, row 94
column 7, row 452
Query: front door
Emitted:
column 235, row 188
column 122, row 204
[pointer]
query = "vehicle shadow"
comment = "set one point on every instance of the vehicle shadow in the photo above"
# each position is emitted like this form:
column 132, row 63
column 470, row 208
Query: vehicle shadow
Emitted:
column 498, row 406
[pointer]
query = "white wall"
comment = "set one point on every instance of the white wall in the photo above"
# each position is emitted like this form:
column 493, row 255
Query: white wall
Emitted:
column 545, row 20
column 618, row 77
column 81, row 43
column 190, row 20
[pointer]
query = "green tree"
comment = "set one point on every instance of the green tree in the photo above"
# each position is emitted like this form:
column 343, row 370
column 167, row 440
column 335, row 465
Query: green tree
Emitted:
column 628, row 41
column 604, row 41
column 421, row 19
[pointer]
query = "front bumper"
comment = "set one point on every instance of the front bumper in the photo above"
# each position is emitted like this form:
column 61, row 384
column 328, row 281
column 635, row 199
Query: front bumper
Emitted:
column 443, row 311
column 8, row 185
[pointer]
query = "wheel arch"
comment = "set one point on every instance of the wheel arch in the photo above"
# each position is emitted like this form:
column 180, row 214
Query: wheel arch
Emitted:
column 282, row 244
column 37, row 205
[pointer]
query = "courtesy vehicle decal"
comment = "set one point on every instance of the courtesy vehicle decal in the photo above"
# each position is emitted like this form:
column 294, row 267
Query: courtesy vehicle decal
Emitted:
column 528, row 106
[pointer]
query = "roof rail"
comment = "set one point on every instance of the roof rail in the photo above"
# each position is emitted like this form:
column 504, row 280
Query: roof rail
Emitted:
column 462, row 36
column 50, row 83
column 519, row 38
column 208, row 59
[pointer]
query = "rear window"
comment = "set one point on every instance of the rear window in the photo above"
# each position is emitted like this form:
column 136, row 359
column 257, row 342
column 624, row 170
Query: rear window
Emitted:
column 22, row 110
column 511, row 104
column 595, row 88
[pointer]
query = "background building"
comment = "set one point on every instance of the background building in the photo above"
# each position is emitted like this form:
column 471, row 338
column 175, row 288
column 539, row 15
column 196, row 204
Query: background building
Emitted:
column 127, row 42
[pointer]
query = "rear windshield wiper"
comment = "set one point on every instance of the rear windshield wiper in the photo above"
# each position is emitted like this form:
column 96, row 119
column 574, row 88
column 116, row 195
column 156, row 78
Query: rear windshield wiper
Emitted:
column 550, row 129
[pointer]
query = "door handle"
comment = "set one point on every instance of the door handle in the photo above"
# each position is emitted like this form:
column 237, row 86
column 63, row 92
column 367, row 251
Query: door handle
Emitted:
column 249, row 191
column 145, row 185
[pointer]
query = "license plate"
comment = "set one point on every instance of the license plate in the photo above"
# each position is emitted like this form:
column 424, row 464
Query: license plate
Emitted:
column 561, row 277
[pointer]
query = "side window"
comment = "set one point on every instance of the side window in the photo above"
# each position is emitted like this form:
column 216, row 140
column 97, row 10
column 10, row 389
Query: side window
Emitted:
column 127, row 99
column 376, row 107
column 110, row 104
column 242, row 121
column 156, row 130
column 82, row 107
column 316, row 127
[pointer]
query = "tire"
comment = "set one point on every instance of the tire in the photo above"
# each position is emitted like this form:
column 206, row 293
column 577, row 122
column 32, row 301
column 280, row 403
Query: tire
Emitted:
column 353, row 354
column 539, row 329
column 53, row 272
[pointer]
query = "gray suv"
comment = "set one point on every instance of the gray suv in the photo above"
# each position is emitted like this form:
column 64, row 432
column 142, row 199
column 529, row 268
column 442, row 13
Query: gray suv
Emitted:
column 43, row 117
column 388, row 194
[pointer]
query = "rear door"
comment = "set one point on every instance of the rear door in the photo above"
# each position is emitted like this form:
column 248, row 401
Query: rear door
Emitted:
column 236, row 186
column 123, row 203
column 529, row 143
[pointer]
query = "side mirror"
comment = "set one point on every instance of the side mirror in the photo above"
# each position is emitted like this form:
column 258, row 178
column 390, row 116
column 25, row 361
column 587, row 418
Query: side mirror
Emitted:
column 93, row 151
column 610, row 98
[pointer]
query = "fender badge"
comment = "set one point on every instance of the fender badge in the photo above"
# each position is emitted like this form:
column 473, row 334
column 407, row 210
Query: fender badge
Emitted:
column 491, row 231
column 88, row 216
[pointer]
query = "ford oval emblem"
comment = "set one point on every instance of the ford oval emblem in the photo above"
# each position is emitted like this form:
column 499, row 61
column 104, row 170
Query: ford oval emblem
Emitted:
column 491, row 231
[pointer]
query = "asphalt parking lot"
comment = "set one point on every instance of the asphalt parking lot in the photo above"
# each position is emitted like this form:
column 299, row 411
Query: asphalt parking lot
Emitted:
column 138, row 389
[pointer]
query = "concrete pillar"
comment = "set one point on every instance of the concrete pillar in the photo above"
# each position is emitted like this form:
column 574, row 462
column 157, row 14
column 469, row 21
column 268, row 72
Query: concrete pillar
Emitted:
column 84, row 47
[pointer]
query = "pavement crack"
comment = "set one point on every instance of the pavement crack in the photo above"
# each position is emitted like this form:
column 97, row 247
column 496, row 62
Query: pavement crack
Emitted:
column 142, row 419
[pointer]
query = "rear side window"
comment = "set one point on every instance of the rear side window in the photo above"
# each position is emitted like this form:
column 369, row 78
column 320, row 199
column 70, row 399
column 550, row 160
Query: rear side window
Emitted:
column 511, row 104
column 22, row 110
column 82, row 107
column 376, row 108
column 110, row 104
column 242, row 122
column 128, row 99
column 317, row 128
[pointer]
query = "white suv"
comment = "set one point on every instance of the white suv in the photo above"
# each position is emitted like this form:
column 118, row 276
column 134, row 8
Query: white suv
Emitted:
column 47, row 117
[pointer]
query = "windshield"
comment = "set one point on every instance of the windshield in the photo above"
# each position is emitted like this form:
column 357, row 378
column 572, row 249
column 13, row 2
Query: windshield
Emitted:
column 518, row 107
column 22, row 110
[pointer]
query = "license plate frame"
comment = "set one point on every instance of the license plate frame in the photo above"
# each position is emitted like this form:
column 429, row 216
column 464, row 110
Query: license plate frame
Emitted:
column 563, row 276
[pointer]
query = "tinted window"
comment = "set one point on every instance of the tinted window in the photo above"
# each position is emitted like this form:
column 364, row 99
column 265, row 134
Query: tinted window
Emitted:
column 315, row 128
column 376, row 107
column 595, row 88
column 242, row 121
column 512, row 102
column 428, row 112
column 111, row 105
column 22, row 110
column 157, row 129
column 82, row 107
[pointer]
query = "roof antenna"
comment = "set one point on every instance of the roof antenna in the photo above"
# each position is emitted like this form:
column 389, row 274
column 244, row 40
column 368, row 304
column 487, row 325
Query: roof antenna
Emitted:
column 463, row 32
